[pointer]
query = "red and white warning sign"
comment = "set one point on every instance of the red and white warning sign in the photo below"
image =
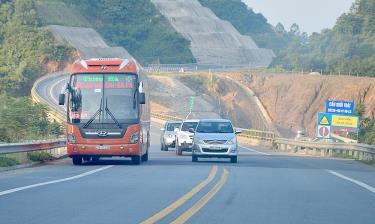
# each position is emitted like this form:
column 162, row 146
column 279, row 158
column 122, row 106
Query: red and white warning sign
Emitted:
column 324, row 131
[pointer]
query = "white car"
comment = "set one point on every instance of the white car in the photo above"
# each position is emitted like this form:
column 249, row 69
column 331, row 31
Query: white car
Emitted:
column 184, row 138
column 168, row 135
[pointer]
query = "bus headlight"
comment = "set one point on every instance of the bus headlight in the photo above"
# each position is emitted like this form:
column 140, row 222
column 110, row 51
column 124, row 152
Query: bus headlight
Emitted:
column 71, row 139
column 134, row 138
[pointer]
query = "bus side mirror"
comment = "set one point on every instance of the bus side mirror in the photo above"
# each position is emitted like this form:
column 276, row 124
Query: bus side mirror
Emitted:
column 61, row 99
column 142, row 98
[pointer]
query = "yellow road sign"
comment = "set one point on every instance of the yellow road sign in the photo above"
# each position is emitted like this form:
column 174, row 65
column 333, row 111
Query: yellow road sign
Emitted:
column 324, row 121
column 344, row 121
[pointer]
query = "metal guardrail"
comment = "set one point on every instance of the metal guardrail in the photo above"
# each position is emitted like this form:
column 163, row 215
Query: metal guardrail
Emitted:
column 246, row 133
column 165, row 117
column 196, row 67
column 29, row 147
column 357, row 151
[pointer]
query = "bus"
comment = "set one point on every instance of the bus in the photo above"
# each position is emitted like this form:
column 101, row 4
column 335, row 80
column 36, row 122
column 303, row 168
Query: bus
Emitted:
column 108, row 110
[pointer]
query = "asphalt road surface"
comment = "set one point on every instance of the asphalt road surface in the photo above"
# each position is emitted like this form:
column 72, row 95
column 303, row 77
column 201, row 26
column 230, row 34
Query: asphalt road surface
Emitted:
column 263, row 187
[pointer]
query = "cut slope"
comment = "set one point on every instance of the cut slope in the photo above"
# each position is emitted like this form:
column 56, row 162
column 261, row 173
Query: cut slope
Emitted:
column 169, row 92
column 215, row 97
column 213, row 41
column 88, row 42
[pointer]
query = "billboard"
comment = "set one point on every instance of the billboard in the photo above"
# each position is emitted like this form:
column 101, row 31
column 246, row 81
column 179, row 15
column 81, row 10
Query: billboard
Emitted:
column 345, row 121
column 340, row 107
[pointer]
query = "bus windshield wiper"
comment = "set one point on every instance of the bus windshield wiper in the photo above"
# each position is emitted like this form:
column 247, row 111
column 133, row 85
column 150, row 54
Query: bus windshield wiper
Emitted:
column 98, row 112
column 110, row 114
column 134, row 101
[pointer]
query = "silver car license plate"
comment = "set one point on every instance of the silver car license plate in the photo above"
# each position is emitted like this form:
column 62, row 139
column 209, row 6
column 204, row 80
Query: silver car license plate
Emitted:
column 214, row 147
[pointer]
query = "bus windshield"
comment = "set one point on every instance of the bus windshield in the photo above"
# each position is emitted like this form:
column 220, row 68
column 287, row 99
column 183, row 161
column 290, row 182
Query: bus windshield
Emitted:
column 103, row 98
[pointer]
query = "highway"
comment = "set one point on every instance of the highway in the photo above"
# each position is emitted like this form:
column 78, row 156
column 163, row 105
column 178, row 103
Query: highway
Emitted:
column 264, row 187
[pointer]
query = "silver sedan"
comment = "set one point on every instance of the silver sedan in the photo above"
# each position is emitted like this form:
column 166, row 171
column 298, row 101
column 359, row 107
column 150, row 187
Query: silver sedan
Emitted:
column 215, row 138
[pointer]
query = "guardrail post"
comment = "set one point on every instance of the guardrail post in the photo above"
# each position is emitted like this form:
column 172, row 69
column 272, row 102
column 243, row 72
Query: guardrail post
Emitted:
column 306, row 150
column 315, row 152
column 360, row 155
column 330, row 152
column 355, row 154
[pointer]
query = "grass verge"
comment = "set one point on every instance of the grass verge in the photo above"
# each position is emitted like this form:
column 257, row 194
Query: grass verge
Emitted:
column 6, row 162
column 39, row 156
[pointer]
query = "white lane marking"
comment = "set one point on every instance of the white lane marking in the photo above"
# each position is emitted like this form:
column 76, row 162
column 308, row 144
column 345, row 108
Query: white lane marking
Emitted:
column 54, row 181
column 253, row 150
column 359, row 183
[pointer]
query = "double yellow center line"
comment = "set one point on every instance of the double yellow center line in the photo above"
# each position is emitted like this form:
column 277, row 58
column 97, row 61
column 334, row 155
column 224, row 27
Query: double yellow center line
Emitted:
column 197, row 206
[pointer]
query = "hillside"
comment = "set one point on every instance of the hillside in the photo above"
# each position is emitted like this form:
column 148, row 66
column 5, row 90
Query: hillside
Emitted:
column 349, row 47
column 213, row 40
column 27, row 51
column 134, row 24
column 293, row 100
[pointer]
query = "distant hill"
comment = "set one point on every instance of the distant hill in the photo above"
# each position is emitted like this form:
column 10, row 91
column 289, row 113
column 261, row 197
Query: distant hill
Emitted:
column 133, row 24
column 349, row 47
column 247, row 22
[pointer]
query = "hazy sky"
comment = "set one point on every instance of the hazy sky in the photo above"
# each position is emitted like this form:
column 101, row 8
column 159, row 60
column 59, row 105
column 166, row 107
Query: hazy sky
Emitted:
column 310, row 15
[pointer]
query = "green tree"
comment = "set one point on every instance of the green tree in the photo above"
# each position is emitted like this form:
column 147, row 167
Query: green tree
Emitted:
column 137, row 26
column 348, row 47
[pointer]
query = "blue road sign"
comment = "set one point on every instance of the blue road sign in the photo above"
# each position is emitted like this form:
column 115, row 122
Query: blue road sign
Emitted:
column 340, row 107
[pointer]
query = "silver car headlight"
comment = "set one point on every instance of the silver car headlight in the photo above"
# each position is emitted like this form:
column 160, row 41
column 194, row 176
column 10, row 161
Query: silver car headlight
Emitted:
column 232, row 141
column 198, row 141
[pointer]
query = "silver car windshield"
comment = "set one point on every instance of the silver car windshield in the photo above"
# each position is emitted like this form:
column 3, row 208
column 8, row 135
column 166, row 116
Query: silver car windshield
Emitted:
column 215, row 127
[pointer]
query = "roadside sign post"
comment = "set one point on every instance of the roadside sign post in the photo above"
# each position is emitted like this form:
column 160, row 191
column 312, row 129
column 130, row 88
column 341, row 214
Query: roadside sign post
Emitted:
column 324, row 126
column 191, row 105
column 337, row 118
column 191, row 102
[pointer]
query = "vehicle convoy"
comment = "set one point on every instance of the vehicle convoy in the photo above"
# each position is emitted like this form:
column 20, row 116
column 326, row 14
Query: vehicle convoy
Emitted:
column 168, row 135
column 108, row 112
column 184, row 138
column 215, row 138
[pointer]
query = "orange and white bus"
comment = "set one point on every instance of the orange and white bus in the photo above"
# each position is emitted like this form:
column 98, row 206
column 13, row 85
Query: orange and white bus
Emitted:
column 108, row 110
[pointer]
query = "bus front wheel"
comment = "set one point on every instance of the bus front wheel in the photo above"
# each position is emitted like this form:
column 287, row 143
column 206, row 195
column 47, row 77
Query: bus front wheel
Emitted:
column 77, row 160
column 136, row 160
column 145, row 157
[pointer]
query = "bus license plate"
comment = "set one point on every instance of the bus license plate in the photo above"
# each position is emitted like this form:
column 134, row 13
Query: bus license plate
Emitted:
column 103, row 147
